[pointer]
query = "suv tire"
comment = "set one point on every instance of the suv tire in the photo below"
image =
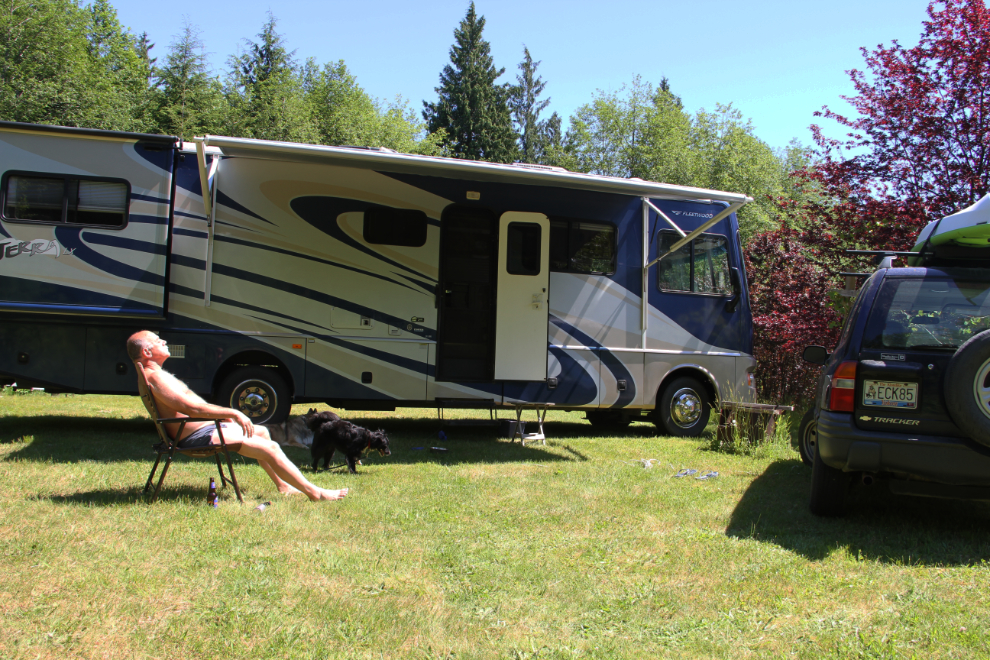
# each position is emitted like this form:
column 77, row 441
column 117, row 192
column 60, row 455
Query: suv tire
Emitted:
column 808, row 438
column 828, row 488
column 967, row 388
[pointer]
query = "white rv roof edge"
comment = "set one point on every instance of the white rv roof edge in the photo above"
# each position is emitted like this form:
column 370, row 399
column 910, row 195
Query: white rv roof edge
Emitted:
column 565, row 178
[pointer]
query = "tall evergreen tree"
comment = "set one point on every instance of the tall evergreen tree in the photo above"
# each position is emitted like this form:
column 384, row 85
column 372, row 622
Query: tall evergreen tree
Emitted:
column 536, row 137
column 190, row 100
column 265, row 91
column 472, row 108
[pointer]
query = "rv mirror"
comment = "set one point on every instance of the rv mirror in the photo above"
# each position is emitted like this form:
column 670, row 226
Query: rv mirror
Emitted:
column 815, row 354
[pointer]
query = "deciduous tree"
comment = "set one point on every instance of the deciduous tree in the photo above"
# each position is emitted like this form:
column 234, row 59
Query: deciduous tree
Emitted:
column 916, row 149
column 344, row 114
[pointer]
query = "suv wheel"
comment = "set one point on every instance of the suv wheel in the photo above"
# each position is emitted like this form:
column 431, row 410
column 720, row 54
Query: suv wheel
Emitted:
column 967, row 388
column 828, row 488
column 808, row 438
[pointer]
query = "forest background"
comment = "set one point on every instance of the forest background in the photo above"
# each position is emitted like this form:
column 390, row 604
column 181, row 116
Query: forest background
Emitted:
column 915, row 148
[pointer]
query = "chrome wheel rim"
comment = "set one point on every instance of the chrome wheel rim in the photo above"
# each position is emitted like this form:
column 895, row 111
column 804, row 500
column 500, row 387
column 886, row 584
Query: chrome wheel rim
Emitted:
column 981, row 388
column 253, row 399
column 685, row 408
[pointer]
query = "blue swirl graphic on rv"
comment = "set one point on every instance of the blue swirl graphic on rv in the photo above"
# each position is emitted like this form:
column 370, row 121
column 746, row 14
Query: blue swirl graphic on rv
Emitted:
column 612, row 363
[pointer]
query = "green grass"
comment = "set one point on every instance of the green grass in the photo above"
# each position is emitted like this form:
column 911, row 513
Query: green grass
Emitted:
column 490, row 550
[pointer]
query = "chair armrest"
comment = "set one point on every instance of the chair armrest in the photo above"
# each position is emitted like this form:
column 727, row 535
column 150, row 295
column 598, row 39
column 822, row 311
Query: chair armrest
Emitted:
column 170, row 420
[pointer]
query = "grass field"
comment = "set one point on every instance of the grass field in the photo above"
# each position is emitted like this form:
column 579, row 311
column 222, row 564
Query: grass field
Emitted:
column 490, row 550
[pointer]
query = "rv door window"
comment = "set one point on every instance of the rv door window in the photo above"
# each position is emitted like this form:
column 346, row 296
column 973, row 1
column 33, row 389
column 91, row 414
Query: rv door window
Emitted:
column 578, row 246
column 66, row 199
column 523, row 247
column 388, row 226
column 701, row 266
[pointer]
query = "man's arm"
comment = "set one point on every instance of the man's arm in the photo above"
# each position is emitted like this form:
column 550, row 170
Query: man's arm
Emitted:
column 183, row 400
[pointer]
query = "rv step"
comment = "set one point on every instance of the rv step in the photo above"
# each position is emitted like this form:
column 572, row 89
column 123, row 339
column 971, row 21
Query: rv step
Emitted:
column 467, row 404
column 490, row 423
column 477, row 404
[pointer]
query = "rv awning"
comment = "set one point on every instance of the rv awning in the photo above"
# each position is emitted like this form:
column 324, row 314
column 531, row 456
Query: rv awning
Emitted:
column 392, row 161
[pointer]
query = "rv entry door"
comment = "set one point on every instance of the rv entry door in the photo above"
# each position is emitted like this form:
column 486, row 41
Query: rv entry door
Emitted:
column 522, row 298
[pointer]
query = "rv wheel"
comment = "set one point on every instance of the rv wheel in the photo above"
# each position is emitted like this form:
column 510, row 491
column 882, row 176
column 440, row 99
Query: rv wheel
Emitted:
column 967, row 388
column 259, row 393
column 684, row 408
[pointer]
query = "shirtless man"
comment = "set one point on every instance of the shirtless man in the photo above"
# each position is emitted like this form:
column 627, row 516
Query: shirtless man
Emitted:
column 175, row 399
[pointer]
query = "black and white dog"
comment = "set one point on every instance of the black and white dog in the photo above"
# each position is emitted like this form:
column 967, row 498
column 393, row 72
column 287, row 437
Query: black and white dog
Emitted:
column 331, row 433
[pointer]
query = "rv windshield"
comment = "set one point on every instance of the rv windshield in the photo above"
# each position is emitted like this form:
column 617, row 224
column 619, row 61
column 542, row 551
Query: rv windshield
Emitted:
column 934, row 312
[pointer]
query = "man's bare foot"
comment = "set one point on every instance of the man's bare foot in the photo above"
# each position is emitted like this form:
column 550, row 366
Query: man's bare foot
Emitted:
column 331, row 495
column 289, row 490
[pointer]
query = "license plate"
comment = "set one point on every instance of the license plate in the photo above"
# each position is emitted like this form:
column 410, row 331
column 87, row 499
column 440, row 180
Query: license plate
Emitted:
column 885, row 394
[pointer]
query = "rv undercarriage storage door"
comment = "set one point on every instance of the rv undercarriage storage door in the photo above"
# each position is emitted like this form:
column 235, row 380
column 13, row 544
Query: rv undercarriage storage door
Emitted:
column 522, row 305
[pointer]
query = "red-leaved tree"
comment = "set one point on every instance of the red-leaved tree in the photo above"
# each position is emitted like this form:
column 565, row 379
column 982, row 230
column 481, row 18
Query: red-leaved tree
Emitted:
column 917, row 149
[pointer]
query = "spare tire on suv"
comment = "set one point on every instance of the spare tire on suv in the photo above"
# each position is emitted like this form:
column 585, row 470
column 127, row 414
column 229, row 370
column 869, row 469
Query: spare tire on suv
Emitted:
column 967, row 388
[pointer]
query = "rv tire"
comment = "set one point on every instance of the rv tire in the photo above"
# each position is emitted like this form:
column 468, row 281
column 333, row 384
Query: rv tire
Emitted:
column 259, row 393
column 683, row 408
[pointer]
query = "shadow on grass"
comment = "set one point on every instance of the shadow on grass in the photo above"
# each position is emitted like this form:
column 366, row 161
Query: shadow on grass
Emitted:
column 132, row 496
column 76, row 439
column 878, row 525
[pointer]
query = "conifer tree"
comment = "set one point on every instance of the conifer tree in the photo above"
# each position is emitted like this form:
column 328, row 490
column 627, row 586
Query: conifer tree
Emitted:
column 536, row 137
column 472, row 108
column 265, row 92
column 190, row 101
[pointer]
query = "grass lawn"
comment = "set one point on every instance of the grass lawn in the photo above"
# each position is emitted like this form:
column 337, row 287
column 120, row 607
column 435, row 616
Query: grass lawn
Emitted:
column 489, row 550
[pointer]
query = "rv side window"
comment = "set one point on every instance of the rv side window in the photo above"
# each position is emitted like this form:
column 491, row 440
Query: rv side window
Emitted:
column 701, row 266
column 523, row 248
column 387, row 226
column 577, row 246
column 65, row 199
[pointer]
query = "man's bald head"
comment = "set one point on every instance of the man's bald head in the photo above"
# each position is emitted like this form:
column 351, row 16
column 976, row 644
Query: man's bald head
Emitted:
column 139, row 341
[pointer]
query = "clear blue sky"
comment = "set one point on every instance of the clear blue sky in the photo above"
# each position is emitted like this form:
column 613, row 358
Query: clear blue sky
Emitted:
column 776, row 61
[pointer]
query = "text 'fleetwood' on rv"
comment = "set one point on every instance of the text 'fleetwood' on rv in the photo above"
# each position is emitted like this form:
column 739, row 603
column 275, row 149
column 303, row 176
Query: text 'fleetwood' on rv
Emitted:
column 367, row 279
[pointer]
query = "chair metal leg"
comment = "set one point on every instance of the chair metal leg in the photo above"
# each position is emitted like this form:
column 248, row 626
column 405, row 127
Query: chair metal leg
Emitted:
column 168, row 462
column 151, row 476
column 230, row 465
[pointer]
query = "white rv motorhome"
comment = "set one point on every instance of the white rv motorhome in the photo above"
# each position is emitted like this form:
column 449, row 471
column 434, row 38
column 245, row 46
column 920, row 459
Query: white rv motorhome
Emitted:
column 367, row 279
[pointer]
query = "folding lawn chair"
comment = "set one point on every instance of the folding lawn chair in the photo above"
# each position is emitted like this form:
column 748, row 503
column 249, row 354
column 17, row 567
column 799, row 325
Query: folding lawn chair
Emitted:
column 169, row 447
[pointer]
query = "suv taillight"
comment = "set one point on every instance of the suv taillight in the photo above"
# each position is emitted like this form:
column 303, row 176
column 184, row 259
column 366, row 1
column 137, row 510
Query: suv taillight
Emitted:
column 842, row 397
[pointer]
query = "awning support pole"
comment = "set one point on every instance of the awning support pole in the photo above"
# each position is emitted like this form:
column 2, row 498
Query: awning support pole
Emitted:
column 687, row 238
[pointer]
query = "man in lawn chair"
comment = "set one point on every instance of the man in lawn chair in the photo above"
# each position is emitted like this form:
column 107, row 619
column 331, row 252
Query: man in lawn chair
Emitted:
column 175, row 399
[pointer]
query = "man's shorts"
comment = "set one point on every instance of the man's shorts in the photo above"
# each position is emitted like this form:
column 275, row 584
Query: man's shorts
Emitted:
column 201, row 437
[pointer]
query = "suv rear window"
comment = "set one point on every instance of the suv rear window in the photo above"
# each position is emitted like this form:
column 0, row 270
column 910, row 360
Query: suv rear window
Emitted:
column 934, row 312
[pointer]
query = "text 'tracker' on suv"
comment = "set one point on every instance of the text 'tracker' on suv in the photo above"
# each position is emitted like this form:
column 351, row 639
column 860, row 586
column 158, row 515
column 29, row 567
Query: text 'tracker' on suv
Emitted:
column 905, row 396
